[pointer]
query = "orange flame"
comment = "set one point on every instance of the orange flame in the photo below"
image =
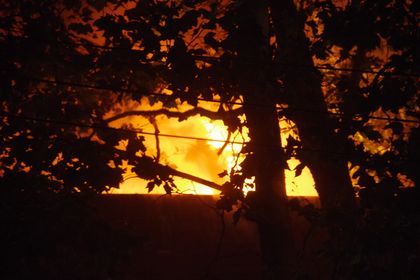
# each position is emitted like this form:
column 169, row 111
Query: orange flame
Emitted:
column 202, row 158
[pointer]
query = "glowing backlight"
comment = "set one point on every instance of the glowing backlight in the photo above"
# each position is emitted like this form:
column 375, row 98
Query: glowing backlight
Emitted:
column 202, row 158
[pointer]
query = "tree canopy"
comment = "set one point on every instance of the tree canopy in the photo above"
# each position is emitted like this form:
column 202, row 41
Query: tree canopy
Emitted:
column 344, row 73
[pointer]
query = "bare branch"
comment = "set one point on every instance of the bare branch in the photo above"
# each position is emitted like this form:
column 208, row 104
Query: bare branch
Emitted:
column 220, row 151
column 196, row 179
column 172, row 114
column 197, row 35
column 165, row 170
column 154, row 123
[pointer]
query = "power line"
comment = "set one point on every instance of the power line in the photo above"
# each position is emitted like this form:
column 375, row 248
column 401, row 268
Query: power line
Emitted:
column 211, row 59
column 314, row 67
column 341, row 155
column 353, row 117
column 96, row 87
column 116, row 89
column 97, row 126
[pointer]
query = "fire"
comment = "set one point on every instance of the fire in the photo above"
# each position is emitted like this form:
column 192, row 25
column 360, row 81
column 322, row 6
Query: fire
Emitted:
column 203, row 158
column 199, row 157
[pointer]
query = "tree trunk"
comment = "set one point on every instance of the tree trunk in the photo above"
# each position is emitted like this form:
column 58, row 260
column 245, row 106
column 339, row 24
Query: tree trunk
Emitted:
column 323, row 151
column 270, row 199
column 272, row 213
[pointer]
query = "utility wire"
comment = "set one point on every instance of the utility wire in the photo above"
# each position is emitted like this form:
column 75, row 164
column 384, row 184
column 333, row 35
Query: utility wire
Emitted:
column 115, row 89
column 312, row 67
column 211, row 59
column 96, row 87
column 341, row 155
column 97, row 126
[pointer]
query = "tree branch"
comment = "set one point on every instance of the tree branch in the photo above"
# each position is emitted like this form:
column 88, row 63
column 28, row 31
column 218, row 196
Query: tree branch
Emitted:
column 147, row 164
column 196, row 179
column 220, row 151
column 155, row 126
column 173, row 114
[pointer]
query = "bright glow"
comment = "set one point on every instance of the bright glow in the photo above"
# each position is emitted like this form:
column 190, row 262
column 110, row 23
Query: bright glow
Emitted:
column 216, row 130
column 204, row 159
column 302, row 185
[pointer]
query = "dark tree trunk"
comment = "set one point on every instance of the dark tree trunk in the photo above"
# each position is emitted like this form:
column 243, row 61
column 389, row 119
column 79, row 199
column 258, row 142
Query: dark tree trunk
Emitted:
column 270, row 199
column 324, row 151
column 272, row 213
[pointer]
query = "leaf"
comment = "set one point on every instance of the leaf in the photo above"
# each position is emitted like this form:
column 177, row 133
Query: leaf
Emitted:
column 372, row 134
column 150, row 186
column 237, row 179
column 291, row 146
column 172, row 184
column 357, row 173
column 210, row 25
column 188, row 20
column 236, row 216
column 223, row 174
column 209, row 40
column 81, row 28
column 298, row 169
column 224, row 203
column 72, row 4
column 146, row 168
column 98, row 4
column 167, row 188
column 249, row 165
column 367, row 181
column 313, row 26
column 397, row 127
column 135, row 145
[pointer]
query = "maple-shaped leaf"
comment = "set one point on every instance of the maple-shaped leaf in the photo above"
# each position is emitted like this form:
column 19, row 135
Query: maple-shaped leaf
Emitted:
column 150, row 186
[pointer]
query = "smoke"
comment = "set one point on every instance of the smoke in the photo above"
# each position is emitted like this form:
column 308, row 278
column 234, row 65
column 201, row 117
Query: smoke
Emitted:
column 197, row 157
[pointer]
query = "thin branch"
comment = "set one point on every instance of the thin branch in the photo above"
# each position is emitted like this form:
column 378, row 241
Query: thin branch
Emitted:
column 172, row 114
column 196, row 36
column 236, row 156
column 130, row 177
column 155, row 126
column 220, row 151
column 213, row 261
column 162, row 169
column 169, row 171
column 193, row 178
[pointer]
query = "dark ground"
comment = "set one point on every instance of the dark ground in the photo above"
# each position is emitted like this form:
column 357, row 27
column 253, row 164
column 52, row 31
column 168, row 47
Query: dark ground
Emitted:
column 131, row 237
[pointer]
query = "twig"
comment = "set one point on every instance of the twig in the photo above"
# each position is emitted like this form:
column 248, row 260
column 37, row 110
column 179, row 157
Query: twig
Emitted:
column 155, row 126
column 171, row 114
column 214, row 260
column 220, row 151
column 196, row 36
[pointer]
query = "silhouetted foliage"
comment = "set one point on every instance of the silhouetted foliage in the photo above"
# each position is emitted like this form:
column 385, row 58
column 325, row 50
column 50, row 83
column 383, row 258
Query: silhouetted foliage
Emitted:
column 65, row 65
